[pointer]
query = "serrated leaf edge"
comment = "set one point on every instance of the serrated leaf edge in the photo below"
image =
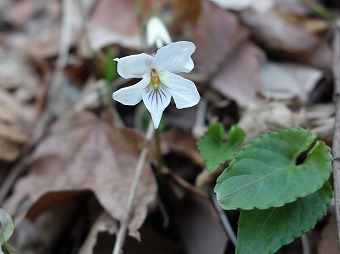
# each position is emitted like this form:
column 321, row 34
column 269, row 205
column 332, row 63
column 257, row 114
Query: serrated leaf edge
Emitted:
column 263, row 136
column 294, row 198
column 221, row 130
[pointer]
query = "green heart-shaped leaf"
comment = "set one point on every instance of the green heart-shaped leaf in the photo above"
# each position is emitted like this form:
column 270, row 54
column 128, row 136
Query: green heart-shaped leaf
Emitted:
column 264, row 173
column 214, row 147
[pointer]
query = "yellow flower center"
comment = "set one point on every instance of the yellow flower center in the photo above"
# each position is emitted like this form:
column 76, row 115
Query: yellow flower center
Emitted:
column 154, row 78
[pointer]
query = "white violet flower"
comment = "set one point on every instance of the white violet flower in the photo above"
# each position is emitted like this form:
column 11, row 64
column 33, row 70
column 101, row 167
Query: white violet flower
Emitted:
column 159, row 80
column 156, row 33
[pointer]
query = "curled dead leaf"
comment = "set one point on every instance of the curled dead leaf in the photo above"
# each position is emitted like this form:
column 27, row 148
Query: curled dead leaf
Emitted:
column 215, row 34
column 87, row 152
column 15, row 123
column 287, row 80
column 290, row 37
column 9, row 151
column 239, row 78
column 11, row 134
column 196, row 220
column 261, row 116
column 112, row 22
column 186, row 11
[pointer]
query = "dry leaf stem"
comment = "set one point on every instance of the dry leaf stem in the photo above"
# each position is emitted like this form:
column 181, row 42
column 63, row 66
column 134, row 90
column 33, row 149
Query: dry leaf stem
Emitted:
column 85, row 29
column 15, row 172
column 55, row 90
column 336, row 136
column 138, row 172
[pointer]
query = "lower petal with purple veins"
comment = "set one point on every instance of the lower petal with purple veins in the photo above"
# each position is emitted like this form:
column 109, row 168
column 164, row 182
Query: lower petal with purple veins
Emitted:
column 156, row 100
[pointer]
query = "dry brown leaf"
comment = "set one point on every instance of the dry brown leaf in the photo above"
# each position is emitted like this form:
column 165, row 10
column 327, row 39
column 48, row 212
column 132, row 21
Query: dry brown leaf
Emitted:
column 261, row 116
column 39, row 236
column 182, row 142
column 320, row 119
column 277, row 34
column 183, row 119
column 115, row 22
column 215, row 34
column 239, row 78
column 289, row 36
column 104, row 223
column 9, row 151
column 235, row 5
column 287, row 80
column 295, row 7
column 197, row 223
column 238, row 5
column 15, row 113
column 10, row 109
column 11, row 134
column 43, row 45
column 329, row 241
column 86, row 152
column 21, row 11
column 17, row 74
column 186, row 11
column 199, row 227
column 15, row 123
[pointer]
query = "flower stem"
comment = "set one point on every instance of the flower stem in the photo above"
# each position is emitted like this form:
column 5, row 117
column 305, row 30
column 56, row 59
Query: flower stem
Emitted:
column 158, row 154
column 138, row 172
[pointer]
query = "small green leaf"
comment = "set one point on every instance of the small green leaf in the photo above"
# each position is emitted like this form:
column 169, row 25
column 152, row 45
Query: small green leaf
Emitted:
column 322, row 12
column 110, row 68
column 214, row 148
column 6, row 227
column 236, row 135
column 264, row 173
column 8, row 248
column 265, row 231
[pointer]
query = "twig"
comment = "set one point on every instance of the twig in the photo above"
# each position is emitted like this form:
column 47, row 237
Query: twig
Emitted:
column 85, row 28
column 305, row 244
column 138, row 172
column 336, row 136
column 13, row 175
column 55, row 90
column 224, row 220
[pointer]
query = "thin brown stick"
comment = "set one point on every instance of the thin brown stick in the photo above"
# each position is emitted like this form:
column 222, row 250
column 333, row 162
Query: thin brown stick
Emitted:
column 55, row 90
column 15, row 172
column 138, row 172
column 336, row 136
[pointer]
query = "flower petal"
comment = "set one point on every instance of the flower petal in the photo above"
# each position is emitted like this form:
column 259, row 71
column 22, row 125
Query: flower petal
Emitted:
column 132, row 95
column 156, row 100
column 183, row 90
column 134, row 66
column 156, row 32
column 175, row 57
